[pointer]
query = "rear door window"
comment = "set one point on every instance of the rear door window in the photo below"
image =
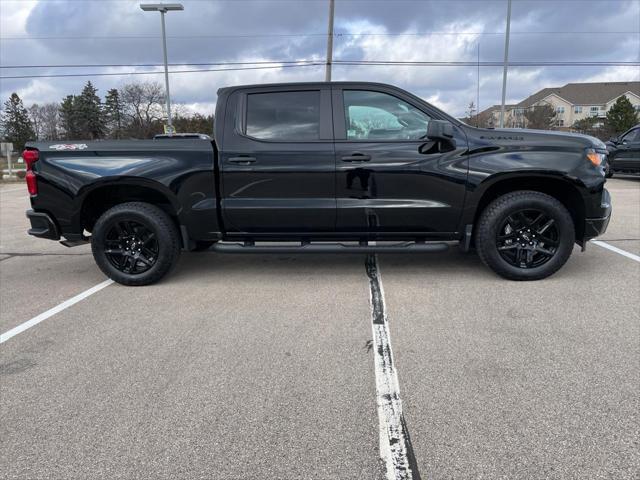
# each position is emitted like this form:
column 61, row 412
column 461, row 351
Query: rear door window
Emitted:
column 284, row 116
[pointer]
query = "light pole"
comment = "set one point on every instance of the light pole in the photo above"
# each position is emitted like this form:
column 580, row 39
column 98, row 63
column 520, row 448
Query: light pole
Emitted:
column 506, row 63
column 164, row 8
column 327, row 71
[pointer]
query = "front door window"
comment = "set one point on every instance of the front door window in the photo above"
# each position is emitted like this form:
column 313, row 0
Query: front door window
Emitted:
column 376, row 116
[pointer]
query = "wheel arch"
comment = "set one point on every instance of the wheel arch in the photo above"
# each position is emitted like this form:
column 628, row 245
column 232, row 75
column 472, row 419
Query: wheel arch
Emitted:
column 559, row 188
column 102, row 196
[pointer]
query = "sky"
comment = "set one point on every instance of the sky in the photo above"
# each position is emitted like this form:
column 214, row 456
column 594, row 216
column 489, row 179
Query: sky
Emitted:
column 46, row 33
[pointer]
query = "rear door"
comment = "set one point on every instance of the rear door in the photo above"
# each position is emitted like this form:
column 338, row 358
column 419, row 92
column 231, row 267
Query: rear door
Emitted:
column 389, row 178
column 278, row 162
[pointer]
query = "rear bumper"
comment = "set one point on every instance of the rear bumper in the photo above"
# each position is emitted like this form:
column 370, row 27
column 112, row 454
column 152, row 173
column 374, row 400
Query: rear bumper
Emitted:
column 594, row 227
column 42, row 226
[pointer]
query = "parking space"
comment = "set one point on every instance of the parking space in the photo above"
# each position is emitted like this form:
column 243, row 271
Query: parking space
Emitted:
column 263, row 366
column 519, row 380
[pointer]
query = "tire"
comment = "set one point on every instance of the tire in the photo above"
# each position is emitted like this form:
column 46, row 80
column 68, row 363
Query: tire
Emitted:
column 608, row 171
column 518, row 250
column 129, row 233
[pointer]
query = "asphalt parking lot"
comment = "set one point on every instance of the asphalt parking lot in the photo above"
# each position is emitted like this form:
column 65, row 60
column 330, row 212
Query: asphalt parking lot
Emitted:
column 242, row 367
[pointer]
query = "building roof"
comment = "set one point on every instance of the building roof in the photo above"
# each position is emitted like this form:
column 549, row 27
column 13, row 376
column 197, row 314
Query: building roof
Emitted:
column 584, row 93
column 494, row 108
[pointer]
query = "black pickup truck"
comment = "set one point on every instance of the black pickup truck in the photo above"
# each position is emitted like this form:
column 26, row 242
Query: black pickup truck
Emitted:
column 323, row 167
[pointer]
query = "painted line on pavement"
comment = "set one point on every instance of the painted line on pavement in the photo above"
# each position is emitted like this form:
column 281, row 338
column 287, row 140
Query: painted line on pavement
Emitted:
column 624, row 253
column 52, row 311
column 14, row 190
column 395, row 444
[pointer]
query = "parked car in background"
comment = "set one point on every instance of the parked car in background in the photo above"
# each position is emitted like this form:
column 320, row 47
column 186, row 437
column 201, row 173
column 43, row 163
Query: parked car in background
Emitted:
column 623, row 153
column 333, row 167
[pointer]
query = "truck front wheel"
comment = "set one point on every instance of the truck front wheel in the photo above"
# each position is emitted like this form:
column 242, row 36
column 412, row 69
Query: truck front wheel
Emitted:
column 135, row 243
column 525, row 235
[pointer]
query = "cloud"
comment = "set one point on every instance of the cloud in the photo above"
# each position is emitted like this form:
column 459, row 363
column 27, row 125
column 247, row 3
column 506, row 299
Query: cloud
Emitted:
column 121, row 33
column 39, row 91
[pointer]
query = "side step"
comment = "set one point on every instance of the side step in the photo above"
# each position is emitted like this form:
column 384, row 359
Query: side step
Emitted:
column 405, row 247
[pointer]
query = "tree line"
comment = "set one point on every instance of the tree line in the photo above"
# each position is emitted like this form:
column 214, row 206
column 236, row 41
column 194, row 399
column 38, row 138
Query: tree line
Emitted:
column 136, row 110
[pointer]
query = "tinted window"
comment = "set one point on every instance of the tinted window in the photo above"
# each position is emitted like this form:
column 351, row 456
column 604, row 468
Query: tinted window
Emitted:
column 632, row 136
column 379, row 116
column 291, row 116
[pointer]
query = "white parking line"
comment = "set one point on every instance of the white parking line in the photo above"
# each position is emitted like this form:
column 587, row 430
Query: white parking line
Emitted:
column 52, row 311
column 624, row 253
column 14, row 190
column 395, row 445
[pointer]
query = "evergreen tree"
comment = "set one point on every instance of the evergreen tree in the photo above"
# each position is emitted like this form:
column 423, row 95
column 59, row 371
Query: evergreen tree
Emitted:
column 113, row 113
column 585, row 125
column 16, row 125
column 196, row 123
column 622, row 116
column 90, row 115
column 542, row 117
column 69, row 118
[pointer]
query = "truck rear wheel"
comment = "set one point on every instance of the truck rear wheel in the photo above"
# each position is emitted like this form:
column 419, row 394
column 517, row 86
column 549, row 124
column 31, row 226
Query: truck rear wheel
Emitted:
column 135, row 243
column 525, row 235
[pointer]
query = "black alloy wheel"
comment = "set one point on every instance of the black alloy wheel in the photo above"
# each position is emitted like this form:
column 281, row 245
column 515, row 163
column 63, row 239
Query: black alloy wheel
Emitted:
column 135, row 243
column 131, row 247
column 528, row 238
column 525, row 235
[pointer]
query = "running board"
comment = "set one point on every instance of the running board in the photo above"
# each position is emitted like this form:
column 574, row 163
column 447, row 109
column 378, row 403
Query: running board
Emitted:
column 405, row 247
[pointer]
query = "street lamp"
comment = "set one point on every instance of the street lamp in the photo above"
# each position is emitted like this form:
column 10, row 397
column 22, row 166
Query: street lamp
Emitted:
column 164, row 8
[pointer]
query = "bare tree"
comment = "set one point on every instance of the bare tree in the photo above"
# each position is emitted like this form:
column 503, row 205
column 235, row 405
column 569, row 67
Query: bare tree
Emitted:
column 50, row 121
column 45, row 120
column 34, row 116
column 471, row 111
column 484, row 119
column 143, row 108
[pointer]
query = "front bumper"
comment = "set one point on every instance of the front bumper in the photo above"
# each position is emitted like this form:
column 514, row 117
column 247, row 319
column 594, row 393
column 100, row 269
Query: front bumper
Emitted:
column 42, row 226
column 594, row 227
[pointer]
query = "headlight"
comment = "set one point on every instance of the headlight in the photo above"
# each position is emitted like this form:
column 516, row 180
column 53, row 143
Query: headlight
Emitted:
column 595, row 158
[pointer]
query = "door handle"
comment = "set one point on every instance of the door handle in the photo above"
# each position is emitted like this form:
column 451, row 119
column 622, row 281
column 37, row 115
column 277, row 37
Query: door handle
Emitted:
column 356, row 157
column 242, row 160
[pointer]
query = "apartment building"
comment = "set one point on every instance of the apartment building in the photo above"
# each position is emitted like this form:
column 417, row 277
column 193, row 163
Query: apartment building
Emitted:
column 572, row 102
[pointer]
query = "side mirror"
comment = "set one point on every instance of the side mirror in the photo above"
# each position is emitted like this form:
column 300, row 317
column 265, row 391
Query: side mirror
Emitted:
column 439, row 130
column 440, row 134
column 613, row 140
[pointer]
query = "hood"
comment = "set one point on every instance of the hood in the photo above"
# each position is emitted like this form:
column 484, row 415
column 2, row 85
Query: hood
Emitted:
column 510, row 136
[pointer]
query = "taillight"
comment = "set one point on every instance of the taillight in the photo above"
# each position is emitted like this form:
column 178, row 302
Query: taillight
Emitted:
column 30, row 157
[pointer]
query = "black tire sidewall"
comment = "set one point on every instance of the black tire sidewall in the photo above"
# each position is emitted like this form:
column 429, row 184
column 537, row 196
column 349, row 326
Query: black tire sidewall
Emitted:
column 496, row 214
column 608, row 171
column 155, row 220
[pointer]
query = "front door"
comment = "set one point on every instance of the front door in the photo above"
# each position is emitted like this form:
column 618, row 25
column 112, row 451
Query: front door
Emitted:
column 278, row 163
column 627, row 153
column 390, row 178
